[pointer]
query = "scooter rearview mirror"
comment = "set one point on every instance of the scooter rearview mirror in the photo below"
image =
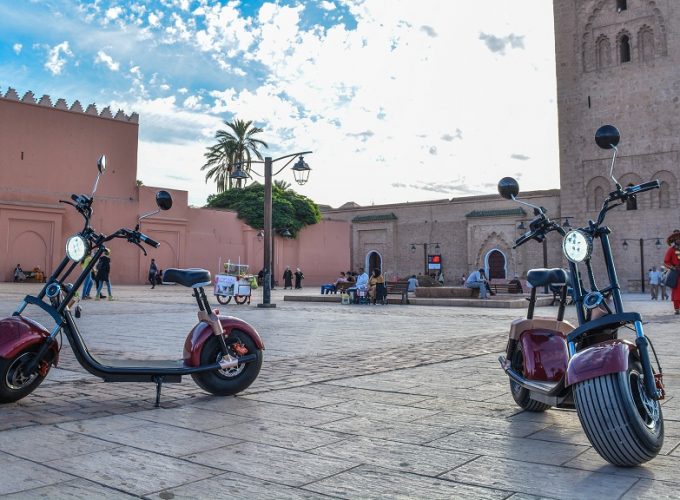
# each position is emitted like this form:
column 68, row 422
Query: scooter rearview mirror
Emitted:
column 163, row 200
column 508, row 188
column 607, row 136
column 101, row 166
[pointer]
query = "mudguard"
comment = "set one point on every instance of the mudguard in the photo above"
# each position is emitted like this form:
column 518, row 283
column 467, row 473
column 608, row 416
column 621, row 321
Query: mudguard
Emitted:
column 545, row 354
column 200, row 334
column 601, row 359
column 18, row 333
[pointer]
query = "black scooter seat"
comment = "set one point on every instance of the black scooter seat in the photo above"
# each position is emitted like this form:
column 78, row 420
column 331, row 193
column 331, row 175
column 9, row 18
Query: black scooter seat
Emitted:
column 546, row 277
column 187, row 277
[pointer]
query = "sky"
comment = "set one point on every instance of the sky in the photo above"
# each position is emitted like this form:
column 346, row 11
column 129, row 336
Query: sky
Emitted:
column 399, row 100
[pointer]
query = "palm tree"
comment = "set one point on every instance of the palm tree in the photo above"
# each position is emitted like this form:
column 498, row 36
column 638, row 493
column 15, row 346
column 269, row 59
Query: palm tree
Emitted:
column 235, row 146
column 282, row 185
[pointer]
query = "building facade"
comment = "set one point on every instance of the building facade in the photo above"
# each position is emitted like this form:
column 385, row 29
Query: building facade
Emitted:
column 49, row 151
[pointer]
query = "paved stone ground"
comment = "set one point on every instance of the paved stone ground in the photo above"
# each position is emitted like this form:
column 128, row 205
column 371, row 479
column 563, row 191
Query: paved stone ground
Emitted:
column 352, row 402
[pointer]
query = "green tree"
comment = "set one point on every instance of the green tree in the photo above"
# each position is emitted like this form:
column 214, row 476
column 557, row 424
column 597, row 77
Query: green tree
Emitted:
column 237, row 145
column 290, row 210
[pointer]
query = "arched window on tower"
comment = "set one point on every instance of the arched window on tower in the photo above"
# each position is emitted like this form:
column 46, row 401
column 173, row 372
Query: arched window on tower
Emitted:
column 603, row 47
column 621, row 5
column 646, row 41
column 624, row 49
column 631, row 202
column 664, row 195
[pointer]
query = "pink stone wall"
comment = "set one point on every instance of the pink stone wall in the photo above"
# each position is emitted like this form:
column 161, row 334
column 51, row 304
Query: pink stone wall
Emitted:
column 46, row 154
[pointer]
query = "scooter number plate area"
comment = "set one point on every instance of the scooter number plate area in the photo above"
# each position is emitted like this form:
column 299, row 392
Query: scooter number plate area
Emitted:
column 545, row 355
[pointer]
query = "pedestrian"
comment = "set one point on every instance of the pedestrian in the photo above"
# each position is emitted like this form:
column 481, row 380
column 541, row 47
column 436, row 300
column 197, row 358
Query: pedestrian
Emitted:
column 287, row 278
column 153, row 270
column 87, row 284
column 654, row 279
column 672, row 262
column 298, row 279
column 662, row 282
column 376, row 287
column 103, row 270
column 159, row 277
column 440, row 277
column 19, row 274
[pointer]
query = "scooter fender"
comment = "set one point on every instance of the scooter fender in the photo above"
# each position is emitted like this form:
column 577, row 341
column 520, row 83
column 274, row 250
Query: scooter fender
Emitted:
column 18, row 333
column 545, row 354
column 601, row 359
column 200, row 334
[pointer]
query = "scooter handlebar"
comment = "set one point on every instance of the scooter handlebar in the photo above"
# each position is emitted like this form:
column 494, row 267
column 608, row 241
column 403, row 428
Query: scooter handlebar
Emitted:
column 151, row 242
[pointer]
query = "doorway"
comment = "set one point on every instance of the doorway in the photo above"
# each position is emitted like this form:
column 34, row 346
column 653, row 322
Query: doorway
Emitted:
column 496, row 264
column 373, row 261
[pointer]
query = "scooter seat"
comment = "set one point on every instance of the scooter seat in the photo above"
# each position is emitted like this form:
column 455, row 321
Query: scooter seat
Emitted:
column 187, row 277
column 546, row 277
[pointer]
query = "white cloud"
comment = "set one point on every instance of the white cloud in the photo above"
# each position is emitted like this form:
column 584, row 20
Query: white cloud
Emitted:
column 192, row 102
column 55, row 62
column 154, row 19
column 103, row 58
column 17, row 48
column 113, row 13
column 326, row 5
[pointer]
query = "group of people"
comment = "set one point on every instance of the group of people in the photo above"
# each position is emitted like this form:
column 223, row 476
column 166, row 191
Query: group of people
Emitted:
column 657, row 282
column 359, row 285
column 99, row 275
column 288, row 278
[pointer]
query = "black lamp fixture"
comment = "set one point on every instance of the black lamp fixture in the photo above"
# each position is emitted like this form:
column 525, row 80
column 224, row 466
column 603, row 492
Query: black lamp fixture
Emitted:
column 413, row 248
column 521, row 225
column 239, row 174
column 285, row 233
column 301, row 171
column 625, row 245
column 566, row 223
column 657, row 244
column 437, row 248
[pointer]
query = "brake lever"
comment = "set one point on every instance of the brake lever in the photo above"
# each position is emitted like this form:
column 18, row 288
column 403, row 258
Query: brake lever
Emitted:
column 141, row 248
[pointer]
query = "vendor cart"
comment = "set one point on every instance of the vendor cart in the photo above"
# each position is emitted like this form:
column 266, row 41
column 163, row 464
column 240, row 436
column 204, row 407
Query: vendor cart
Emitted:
column 234, row 282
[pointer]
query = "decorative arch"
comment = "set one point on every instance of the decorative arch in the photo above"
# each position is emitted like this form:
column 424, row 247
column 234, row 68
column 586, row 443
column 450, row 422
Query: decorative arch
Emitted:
column 646, row 43
column 596, row 189
column 494, row 241
column 587, row 40
column 603, row 52
column 624, row 44
column 667, row 196
column 30, row 250
column 373, row 258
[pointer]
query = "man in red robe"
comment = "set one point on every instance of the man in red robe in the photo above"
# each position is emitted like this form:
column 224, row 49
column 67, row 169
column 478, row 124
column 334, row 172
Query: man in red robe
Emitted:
column 672, row 262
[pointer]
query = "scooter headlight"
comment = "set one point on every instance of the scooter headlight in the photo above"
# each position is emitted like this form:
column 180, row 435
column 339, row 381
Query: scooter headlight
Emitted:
column 76, row 248
column 577, row 246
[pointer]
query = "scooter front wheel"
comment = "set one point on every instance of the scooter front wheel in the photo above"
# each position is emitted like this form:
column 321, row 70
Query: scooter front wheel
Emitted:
column 233, row 380
column 623, row 424
column 14, row 384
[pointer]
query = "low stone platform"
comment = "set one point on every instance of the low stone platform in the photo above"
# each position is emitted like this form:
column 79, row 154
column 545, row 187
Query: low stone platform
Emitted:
column 503, row 301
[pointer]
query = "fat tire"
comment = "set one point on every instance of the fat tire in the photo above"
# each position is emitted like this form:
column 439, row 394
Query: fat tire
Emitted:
column 224, row 300
column 521, row 395
column 7, row 393
column 612, row 420
column 219, row 384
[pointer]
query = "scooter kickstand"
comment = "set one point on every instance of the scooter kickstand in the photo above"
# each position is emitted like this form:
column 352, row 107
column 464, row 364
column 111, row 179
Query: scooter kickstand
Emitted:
column 159, row 384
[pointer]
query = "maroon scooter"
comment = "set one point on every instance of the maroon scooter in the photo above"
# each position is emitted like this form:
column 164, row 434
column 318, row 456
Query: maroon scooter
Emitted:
column 610, row 380
column 222, row 354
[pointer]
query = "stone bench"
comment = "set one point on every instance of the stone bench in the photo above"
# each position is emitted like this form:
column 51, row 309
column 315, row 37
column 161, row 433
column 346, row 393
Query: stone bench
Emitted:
column 446, row 292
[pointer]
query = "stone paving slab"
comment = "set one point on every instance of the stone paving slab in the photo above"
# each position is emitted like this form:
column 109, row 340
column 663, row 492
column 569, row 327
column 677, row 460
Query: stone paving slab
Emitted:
column 371, row 402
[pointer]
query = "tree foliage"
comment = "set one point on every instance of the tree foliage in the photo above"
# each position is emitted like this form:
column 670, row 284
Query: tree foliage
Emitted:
column 290, row 210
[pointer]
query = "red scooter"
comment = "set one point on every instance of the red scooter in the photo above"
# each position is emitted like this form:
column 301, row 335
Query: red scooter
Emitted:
column 610, row 380
column 223, row 354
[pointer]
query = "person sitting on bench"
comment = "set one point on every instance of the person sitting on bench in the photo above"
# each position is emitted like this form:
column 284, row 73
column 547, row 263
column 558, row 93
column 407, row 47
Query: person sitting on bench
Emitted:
column 478, row 279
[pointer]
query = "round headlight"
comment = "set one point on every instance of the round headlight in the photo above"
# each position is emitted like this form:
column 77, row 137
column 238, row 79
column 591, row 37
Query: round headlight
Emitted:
column 577, row 246
column 76, row 248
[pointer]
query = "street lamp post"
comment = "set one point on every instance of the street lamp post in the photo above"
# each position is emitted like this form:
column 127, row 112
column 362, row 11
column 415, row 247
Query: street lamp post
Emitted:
column 657, row 244
column 424, row 245
column 301, row 174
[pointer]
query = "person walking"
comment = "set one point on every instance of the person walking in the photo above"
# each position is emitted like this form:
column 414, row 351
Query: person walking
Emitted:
column 103, row 270
column 87, row 284
column 287, row 278
column 654, row 279
column 153, row 271
column 672, row 261
column 662, row 282
column 298, row 279
column 440, row 278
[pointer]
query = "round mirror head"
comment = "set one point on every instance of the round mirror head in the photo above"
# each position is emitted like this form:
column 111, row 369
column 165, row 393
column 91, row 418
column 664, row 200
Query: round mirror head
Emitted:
column 607, row 136
column 163, row 200
column 508, row 188
column 101, row 164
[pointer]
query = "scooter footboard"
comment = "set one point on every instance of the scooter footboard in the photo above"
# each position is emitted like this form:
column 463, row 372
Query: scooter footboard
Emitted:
column 200, row 334
column 601, row 359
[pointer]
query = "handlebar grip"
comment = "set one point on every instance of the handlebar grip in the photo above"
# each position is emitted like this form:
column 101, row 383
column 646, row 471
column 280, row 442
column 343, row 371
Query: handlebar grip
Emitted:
column 645, row 186
column 75, row 197
column 149, row 241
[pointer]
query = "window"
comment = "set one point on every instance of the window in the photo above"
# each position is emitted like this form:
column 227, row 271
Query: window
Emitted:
column 646, row 40
column 664, row 195
column 624, row 48
column 597, row 199
column 603, row 51
column 631, row 203
column 621, row 5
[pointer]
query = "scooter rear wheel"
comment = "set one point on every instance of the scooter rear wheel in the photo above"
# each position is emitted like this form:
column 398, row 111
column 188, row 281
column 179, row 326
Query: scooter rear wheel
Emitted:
column 521, row 395
column 233, row 380
column 14, row 385
column 623, row 424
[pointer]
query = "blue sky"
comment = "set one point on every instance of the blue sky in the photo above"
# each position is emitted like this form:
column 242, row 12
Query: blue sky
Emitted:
column 399, row 100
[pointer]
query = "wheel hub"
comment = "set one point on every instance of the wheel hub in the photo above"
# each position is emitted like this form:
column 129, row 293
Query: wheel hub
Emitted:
column 647, row 407
column 16, row 378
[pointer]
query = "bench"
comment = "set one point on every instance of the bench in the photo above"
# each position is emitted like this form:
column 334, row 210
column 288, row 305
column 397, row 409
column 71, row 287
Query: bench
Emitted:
column 398, row 288
column 505, row 288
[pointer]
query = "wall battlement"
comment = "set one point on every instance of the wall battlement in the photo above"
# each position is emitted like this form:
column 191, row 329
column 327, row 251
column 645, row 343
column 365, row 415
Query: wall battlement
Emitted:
column 76, row 107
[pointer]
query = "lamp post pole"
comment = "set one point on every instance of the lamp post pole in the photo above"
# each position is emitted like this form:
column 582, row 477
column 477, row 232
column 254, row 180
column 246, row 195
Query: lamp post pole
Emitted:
column 267, row 290
column 425, row 245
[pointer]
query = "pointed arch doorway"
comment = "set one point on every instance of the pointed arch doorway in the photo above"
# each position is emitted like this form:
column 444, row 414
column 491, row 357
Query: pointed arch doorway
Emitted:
column 373, row 261
column 496, row 264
